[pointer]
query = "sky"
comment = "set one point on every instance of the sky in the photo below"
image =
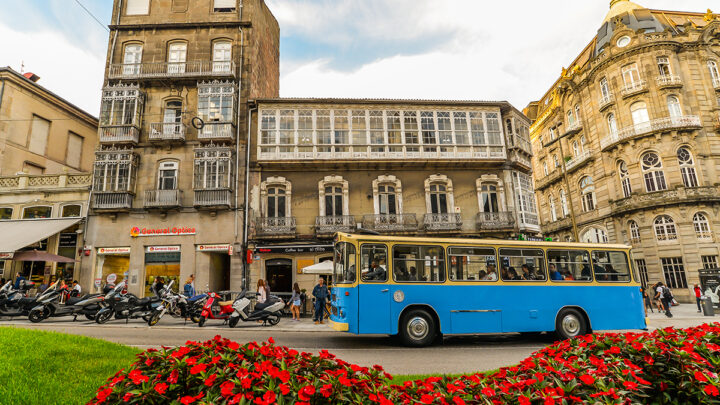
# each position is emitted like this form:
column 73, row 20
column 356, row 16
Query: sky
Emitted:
column 510, row 50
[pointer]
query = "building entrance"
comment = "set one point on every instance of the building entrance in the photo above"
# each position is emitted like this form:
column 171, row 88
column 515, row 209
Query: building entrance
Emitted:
column 278, row 273
column 219, row 274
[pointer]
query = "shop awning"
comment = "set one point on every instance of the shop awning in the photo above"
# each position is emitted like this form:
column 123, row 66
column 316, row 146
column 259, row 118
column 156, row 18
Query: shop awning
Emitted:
column 38, row 256
column 325, row 267
column 16, row 235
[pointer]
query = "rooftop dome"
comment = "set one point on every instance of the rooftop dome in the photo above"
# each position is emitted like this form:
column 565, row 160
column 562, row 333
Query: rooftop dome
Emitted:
column 620, row 7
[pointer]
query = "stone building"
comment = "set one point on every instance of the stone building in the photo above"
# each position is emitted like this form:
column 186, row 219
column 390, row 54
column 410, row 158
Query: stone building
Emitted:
column 46, row 154
column 396, row 167
column 626, row 146
column 167, row 192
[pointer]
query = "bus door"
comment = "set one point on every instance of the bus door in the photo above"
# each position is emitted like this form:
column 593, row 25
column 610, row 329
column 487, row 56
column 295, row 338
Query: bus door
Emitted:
column 373, row 291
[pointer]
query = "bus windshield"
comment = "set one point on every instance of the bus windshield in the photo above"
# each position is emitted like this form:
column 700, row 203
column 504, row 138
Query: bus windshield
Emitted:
column 344, row 258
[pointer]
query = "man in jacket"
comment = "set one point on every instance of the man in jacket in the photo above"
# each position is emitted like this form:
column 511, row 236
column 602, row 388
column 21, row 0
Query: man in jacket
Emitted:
column 320, row 292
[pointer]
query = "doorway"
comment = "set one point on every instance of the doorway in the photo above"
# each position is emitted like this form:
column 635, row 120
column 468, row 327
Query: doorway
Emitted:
column 219, row 274
column 278, row 273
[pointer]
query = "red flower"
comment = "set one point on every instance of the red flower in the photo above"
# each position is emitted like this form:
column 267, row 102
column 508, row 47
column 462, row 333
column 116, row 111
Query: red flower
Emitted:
column 523, row 400
column 458, row 401
column 128, row 396
column 427, row 399
column 233, row 346
column 103, row 394
column 630, row 385
column 284, row 389
column 587, row 379
column 226, row 388
column 711, row 390
column 326, row 390
column 700, row 376
column 198, row 368
column 161, row 388
column 187, row 399
column 137, row 377
column 173, row 379
column 306, row 393
column 488, row 392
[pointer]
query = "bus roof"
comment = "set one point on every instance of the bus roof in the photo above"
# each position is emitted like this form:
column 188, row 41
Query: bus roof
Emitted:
column 425, row 239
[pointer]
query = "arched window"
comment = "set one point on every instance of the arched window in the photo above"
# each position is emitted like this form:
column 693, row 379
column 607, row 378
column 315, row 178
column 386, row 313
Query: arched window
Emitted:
column 387, row 199
column 132, row 59
column 624, row 179
column 714, row 73
column 168, row 176
column 276, row 194
column 553, row 212
column 177, row 56
column 640, row 114
column 489, row 198
column 673, row 104
column 653, row 172
column 333, row 191
column 545, row 168
column 556, row 161
column 333, row 200
column 576, row 148
column 577, row 112
column 612, row 124
column 594, row 235
column 570, row 118
column 172, row 119
column 687, row 167
column 438, row 199
column 634, row 232
column 222, row 54
column 439, row 195
column 582, row 143
column 665, row 228
column 587, row 188
column 564, row 204
column 702, row 226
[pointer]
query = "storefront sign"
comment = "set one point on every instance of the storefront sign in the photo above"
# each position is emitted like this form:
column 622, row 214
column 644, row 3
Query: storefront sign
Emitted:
column 111, row 278
column 162, row 249
column 710, row 283
column 98, row 282
column 68, row 240
column 114, row 251
column 174, row 231
column 6, row 256
column 295, row 249
column 214, row 248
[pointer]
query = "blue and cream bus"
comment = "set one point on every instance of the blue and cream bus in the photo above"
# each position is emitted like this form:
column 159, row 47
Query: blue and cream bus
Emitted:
column 423, row 288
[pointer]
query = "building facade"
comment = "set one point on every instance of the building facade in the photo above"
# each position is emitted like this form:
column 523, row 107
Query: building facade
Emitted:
column 46, row 154
column 626, row 146
column 396, row 167
column 167, row 193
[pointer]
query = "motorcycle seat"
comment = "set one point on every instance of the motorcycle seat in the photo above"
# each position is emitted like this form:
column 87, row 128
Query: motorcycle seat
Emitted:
column 74, row 300
column 195, row 298
column 262, row 305
column 144, row 301
column 225, row 303
column 26, row 300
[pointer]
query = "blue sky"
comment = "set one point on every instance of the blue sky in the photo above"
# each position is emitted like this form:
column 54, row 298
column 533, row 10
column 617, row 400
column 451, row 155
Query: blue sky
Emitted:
column 447, row 49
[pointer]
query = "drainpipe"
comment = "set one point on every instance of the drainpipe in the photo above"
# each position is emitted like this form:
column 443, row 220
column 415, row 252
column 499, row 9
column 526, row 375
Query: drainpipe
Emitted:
column 2, row 91
column 247, row 196
column 237, row 137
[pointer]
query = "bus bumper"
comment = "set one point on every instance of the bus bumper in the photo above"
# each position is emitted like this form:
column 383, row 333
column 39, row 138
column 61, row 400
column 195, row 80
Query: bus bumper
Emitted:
column 339, row 326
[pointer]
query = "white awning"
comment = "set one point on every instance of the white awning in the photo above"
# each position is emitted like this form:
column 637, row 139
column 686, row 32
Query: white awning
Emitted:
column 325, row 267
column 16, row 235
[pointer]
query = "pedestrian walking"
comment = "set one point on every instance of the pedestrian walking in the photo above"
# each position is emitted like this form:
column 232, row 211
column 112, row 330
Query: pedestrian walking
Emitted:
column 262, row 291
column 295, row 301
column 657, row 296
column 320, row 292
column 666, row 297
column 646, row 300
column 189, row 287
column 698, row 294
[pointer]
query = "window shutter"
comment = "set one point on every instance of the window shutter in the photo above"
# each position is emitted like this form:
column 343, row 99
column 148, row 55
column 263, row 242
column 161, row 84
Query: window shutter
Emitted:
column 74, row 150
column 137, row 7
column 39, row 135
column 219, row 4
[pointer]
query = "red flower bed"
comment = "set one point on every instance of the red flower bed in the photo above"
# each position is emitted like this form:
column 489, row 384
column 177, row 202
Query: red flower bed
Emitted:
column 665, row 366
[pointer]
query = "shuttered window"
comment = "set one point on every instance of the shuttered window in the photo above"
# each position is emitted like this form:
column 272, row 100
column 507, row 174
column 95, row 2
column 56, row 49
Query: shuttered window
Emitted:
column 74, row 150
column 137, row 7
column 39, row 135
column 225, row 5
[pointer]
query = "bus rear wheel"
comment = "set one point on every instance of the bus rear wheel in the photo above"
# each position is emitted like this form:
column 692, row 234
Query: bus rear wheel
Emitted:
column 570, row 323
column 417, row 328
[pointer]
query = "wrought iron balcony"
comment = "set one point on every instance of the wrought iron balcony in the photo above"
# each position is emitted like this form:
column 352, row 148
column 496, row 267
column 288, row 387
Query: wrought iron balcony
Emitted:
column 213, row 198
column 491, row 221
column 633, row 88
column 606, row 101
column 645, row 128
column 390, row 222
column 167, row 70
column 217, row 131
column 162, row 131
column 554, row 226
column 277, row 226
column 576, row 161
column 685, row 195
column 331, row 224
column 119, row 134
column 573, row 128
column 442, row 222
column 669, row 81
column 109, row 201
column 163, row 198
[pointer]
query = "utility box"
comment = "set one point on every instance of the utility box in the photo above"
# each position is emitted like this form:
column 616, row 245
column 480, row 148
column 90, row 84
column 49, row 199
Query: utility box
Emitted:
column 707, row 306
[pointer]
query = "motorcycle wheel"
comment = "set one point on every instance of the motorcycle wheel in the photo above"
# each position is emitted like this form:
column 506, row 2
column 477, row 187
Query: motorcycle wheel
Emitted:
column 154, row 319
column 36, row 315
column 201, row 321
column 146, row 318
column 233, row 322
column 273, row 319
column 195, row 318
column 103, row 316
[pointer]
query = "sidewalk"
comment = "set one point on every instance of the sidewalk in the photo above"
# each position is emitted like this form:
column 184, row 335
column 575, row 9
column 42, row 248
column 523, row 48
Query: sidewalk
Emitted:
column 684, row 316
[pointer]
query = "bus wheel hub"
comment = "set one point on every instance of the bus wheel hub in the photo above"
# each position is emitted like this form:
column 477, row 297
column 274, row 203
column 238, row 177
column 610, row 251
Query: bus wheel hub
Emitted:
column 571, row 325
column 418, row 328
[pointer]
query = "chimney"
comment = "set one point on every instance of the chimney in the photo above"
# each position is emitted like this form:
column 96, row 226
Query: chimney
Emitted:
column 32, row 77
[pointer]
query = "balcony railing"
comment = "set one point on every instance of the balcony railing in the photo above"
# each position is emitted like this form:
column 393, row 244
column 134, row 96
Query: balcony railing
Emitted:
column 679, row 122
column 606, row 101
column 658, row 199
column 579, row 159
column 574, row 128
column 161, row 131
column 520, row 143
column 489, row 221
column 163, row 198
column 165, row 70
column 667, row 81
column 213, row 198
column 278, row 226
column 520, row 158
column 716, row 83
column 390, row 222
column 217, row 131
column 331, row 224
column 119, row 134
column 442, row 222
column 374, row 152
column 633, row 88
column 555, row 226
column 112, row 200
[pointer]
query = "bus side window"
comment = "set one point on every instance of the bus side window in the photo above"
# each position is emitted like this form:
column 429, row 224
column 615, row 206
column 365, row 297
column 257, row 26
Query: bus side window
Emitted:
column 569, row 265
column 418, row 264
column 373, row 262
column 610, row 266
column 518, row 264
column 472, row 264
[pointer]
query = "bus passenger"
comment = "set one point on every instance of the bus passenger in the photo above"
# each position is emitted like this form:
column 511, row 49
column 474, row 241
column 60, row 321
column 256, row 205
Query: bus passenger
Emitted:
column 613, row 275
column 402, row 274
column 527, row 274
column 376, row 272
column 568, row 276
column 505, row 274
column 413, row 274
column 554, row 274
column 585, row 273
column 491, row 274
column 512, row 275
column 482, row 274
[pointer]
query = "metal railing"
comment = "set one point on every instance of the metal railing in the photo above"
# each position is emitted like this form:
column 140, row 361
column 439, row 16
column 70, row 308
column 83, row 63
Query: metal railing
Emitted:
column 164, row 70
column 217, row 131
column 379, row 151
column 682, row 121
column 213, row 198
column 163, row 198
column 332, row 224
column 634, row 88
column 574, row 127
column 669, row 81
column 112, row 200
column 606, row 100
column 162, row 131
column 275, row 226
column 442, row 222
column 577, row 160
column 119, row 134
column 390, row 222
column 521, row 143
column 495, row 220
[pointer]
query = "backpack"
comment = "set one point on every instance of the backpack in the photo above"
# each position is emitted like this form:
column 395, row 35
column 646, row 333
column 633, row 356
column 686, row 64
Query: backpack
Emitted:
column 667, row 294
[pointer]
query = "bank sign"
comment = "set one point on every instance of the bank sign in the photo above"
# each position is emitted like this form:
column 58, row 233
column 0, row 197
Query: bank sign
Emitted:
column 175, row 231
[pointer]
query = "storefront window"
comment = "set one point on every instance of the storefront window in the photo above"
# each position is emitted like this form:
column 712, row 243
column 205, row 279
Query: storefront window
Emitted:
column 161, row 264
column 37, row 212
column 115, row 261
column 6, row 213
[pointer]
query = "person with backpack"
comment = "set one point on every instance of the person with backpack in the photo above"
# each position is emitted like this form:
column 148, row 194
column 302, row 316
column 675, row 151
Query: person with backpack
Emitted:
column 666, row 296
column 698, row 294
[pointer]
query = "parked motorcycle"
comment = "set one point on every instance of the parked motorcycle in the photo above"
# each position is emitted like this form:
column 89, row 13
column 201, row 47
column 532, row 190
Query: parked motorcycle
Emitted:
column 49, row 305
column 178, row 306
column 126, row 306
column 269, row 311
column 215, row 309
column 16, row 302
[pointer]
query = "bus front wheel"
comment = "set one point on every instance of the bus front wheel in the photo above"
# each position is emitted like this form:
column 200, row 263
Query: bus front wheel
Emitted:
column 570, row 323
column 418, row 328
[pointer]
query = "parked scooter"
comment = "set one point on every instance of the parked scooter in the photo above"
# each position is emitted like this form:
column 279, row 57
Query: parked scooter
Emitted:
column 49, row 305
column 215, row 309
column 16, row 302
column 269, row 311
column 126, row 306
column 178, row 306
